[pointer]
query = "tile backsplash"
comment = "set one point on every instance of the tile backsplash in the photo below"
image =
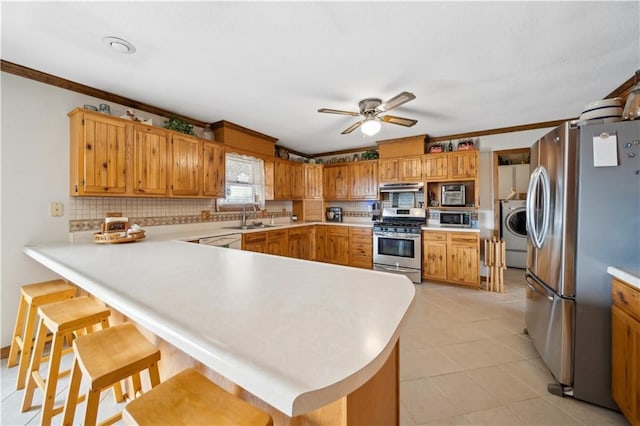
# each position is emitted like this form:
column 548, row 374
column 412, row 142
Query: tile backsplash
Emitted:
column 87, row 213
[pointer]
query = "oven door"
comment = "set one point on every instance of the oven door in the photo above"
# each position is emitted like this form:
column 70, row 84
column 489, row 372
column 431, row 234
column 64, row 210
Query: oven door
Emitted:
column 399, row 250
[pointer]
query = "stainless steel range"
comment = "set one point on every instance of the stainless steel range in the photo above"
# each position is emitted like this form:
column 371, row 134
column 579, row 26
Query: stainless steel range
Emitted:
column 397, row 242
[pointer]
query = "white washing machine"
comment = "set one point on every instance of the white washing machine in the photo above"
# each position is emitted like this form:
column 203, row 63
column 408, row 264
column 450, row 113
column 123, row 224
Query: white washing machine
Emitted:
column 513, row 230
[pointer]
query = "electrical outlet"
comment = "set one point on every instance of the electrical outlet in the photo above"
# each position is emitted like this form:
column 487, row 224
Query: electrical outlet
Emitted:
column 55, row 209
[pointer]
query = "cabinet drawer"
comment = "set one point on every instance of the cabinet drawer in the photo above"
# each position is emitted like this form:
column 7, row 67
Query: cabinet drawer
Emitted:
column 361, row 249
column 255, row 237
column 282, row 233
column 298, row 231
column 460, row 237
column 361, row 232
column 626, row 297
column 338, row 230
column 435, row 236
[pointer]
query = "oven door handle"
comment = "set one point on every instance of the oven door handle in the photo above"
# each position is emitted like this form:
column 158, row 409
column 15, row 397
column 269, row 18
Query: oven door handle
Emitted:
column 398, row 236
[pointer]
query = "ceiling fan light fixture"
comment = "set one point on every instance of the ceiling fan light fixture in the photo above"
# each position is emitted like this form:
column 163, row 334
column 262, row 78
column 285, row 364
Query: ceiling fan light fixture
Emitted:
column 370, row 127
column 120, row 45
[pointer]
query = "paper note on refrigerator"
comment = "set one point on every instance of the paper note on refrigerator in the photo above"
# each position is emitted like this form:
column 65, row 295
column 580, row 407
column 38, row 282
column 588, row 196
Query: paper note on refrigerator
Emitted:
column 605, row 150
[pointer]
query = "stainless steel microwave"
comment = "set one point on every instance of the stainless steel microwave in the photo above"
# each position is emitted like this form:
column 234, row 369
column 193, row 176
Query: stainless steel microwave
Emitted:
column 457, row 219
column 453, row 195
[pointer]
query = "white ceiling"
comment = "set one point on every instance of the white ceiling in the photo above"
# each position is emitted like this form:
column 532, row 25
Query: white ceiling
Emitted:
column 269, row 66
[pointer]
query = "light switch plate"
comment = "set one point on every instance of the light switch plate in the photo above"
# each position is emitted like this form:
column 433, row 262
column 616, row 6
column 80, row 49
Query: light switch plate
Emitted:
column 55, row 209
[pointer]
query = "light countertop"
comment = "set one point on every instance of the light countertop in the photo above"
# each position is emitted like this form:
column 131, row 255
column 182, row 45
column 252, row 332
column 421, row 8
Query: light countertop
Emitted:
column 294, row 333
column 630, row 276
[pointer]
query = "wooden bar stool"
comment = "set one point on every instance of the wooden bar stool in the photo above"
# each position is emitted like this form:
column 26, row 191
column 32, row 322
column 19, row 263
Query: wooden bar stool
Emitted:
column 105, row 358
column 189, row 398
column 77, row 315
column 31, row 298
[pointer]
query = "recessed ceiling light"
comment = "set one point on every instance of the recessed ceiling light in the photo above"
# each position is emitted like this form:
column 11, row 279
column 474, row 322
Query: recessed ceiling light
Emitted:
column 120, row 45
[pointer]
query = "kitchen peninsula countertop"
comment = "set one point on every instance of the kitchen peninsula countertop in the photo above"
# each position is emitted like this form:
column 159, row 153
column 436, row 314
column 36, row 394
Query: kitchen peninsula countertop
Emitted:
column 630, row 276
column 297, row 340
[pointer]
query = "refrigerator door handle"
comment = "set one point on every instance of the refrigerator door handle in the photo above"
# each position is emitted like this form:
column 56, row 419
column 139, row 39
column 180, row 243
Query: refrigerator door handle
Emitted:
column 533, row 288
column 539, row 184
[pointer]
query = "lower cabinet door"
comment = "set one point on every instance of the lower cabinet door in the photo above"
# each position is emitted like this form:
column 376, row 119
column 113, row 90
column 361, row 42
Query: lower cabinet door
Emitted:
column 434, row 265
column 625, row 363
column 464, row 264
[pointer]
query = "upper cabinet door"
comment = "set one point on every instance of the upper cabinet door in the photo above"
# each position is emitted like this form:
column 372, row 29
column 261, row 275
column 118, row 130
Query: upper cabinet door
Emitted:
column 297, row 181
column 435, row 167
column 282, row 180
column 186, row 155
column 150, row 149
column 213, row 170
column 388, row 170
column 464, row 165
column 104, row 151
column 313, row 181
column 364, row 180
column 411, row 169
column 335, row 182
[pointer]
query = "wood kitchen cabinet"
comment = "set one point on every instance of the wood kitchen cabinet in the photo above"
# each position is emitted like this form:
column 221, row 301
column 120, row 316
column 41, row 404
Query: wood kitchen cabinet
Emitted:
column 452, row 257
column 337, row 247
column 363, row 177
column 255, row 241
column 388, row 170
column 319, row 252
column 111, row 156
column 450, row 166
column 411, row 169
column 213, row 169
column 282, row 180
column 98, row 154
column 277, row 242
column 434, row 256
column 312, row 181
column 463, row 258
column 335, row 182
column 297, row 181
column 186, row 154
column 361, row 247
column 150, row 155
column 625, row 349
column 299, row 243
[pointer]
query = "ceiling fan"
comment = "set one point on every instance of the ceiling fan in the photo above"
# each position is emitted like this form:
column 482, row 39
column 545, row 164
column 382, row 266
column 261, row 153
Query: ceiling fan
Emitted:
column 369, row 110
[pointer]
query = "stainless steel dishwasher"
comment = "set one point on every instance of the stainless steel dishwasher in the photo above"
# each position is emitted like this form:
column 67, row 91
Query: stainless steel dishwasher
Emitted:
column 232, row 241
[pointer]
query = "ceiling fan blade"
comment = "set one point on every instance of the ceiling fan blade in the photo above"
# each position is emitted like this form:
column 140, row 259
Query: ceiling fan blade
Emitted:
column 398, row 120
column 337, row 111
column 352, row 127
column 396, row 101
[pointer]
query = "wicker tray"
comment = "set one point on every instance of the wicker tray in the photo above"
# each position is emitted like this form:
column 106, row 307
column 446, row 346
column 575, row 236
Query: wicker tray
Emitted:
column 116, row 237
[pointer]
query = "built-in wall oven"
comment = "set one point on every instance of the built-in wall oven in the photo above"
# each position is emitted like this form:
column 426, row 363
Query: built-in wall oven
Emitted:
column 397, row 242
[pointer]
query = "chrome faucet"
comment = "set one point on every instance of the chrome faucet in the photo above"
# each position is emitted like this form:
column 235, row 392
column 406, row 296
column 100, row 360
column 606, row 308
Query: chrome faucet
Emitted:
column 244, row 213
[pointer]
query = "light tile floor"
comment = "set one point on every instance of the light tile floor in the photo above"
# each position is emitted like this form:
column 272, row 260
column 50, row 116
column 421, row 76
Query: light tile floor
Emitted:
column 463, row 361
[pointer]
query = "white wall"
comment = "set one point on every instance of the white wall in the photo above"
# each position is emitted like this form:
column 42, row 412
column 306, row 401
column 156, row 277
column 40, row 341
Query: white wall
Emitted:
column 35, row 171
column 34, row 159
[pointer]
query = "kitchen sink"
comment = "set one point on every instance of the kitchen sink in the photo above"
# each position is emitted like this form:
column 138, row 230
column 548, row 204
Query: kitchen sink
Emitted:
column 252, row 226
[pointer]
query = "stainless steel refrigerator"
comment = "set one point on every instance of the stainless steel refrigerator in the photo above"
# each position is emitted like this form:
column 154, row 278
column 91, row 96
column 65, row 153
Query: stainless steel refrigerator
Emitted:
column 581, row 219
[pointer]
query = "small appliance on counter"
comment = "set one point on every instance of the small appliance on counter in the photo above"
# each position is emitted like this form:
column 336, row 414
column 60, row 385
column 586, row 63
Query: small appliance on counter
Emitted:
column 453, row 195
column 375, row 211
column 334, row 214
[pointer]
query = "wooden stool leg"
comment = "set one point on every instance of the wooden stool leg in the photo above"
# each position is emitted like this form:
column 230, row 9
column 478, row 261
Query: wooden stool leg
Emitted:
column 52, row 380
column 154, row 375
column 27, row 345
column 91, row 415
column 136, row 389
column 72, row 396
column 36, row 357
column 17, row 334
